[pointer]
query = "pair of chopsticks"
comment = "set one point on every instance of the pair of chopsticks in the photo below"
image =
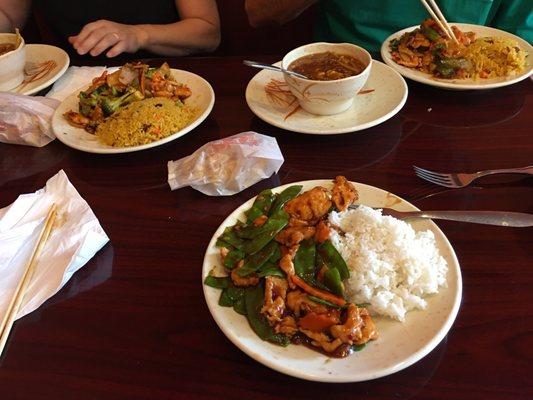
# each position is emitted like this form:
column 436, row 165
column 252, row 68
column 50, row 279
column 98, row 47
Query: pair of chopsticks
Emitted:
column 16, row 301
column 437, row 15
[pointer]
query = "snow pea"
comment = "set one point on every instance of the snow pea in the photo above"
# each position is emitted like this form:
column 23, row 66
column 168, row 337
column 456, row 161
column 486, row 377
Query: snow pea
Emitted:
column 230, row 295
column 271, row 228
column 304, row 260
column 256, row 261
column 288, row 194
column 431, row 34
column 322, row 301
column 232, row 258
column 261, row 205
column 217, row 282
column 229, row 236
column 332, row 280
column 254, row 299
column 270, row 269
column 332, row 258
column 251, row 231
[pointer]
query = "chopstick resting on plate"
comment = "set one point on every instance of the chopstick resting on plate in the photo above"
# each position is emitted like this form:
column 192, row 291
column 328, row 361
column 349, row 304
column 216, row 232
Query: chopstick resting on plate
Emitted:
column 439, row 18
column 15, row 303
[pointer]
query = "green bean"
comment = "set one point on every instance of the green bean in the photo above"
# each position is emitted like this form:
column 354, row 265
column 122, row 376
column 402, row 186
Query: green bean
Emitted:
column 217, row 282
column 286, row 195
column 333, row 259
column 332, row 279
column 254, row 299
column 232, row 258
column 256, row 261
column 304, row 260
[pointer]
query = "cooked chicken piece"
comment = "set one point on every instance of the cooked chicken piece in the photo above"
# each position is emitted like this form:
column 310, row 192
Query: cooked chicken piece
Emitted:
column 322, row 232
column 76, row 119
column 260, row 221
column 287, row 326
column 343, row 193
column 182, row 92
column 407, row 57
column 299, row 303
column 250, row 280
column 292, row 236
column 286, row 263
column 223, row 253
column 275, row 294
column 97, row 115
column 319, row 322
column 352, row 330
column 369, row 331
column 309, row 206
column 418, row 40
column 322, row 340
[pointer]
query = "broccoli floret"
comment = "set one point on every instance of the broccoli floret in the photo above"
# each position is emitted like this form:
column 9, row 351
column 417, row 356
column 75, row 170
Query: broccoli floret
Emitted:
column 112, row 104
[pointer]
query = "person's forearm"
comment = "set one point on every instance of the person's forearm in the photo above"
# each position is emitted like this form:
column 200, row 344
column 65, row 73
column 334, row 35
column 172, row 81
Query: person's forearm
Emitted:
column 13, row 14
column 191, row 35
column 274, row 12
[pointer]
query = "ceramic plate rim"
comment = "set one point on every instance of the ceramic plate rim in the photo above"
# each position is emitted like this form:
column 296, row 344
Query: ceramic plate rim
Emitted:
column 333, row 131
column 427, row 79
column 214, row 309
column 117, row 150
column 50, row 81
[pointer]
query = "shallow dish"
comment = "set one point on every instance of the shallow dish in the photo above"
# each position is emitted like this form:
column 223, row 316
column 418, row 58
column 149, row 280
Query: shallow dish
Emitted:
column 38, row 53
column 388, row 97
column 12, row 62
column 202, row 98
column 461, row 84
column 399, row 344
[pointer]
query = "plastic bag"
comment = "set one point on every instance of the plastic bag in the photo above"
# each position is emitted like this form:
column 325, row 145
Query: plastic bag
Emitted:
column 26, row 119
column 227, row 166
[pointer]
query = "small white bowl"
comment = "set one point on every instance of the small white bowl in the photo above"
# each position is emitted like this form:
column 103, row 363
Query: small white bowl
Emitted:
column 327, row 97
column 12, row 63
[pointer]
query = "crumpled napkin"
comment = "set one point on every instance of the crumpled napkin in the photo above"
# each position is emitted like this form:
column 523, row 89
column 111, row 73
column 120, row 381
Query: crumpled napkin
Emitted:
column 75, row 238
column 227, row 166
column 26, row 120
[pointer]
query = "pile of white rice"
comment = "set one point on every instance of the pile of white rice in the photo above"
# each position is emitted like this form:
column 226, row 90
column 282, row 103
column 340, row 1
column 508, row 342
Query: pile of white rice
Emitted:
column 392, row 267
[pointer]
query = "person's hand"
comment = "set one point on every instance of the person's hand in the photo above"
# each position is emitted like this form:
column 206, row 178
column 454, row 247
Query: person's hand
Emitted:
column 96, row 37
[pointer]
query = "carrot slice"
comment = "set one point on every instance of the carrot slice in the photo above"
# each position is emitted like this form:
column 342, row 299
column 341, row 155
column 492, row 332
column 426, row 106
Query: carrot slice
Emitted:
column 317, row 292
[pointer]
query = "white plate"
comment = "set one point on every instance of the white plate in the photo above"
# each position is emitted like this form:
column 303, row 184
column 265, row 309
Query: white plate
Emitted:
column 399, row 344
column 202, row 98
column 36, row 53
column 388, row 97
column 461, row 84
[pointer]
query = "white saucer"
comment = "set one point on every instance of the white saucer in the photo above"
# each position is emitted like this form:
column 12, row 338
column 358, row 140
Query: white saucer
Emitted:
column 462, row 84
column 388, row 97
column 37, row 53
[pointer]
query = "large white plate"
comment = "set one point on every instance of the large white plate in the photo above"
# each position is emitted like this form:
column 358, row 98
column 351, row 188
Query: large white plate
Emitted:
column 37, row 53
column 461, row 84
column 388, row 97
column 399, row 344
column 202, row 98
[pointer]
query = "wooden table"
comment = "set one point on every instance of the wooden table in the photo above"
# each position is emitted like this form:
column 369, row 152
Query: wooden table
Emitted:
column 133, row 323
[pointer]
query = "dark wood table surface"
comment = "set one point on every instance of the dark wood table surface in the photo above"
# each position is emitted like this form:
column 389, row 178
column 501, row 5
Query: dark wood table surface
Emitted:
column 133, row 323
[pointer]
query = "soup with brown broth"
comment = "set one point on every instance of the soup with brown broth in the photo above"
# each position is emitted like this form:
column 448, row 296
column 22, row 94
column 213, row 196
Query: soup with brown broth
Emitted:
column 327, row 66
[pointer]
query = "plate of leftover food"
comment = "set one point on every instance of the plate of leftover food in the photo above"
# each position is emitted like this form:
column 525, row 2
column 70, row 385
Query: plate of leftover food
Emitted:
column 384, row 94
column 133, row 108
column 482, row 57
column 45, row 64
column 311, row 280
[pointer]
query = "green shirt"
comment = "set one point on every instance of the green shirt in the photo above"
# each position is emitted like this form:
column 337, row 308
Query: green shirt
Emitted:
column 368, row 23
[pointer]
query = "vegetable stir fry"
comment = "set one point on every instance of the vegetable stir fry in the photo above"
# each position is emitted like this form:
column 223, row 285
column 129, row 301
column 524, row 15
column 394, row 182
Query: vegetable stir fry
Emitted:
column 132, row 82
column 286, row 276
column 429, row 50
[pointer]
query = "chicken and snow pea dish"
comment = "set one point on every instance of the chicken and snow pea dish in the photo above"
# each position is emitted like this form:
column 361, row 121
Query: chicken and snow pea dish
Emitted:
column 285, row 275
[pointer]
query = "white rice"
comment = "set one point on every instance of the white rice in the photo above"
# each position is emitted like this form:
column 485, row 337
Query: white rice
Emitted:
column 392, row 267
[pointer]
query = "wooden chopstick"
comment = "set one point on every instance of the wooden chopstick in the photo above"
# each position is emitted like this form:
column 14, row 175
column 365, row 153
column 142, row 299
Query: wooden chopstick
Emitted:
column 440, row 19
column 16, row 301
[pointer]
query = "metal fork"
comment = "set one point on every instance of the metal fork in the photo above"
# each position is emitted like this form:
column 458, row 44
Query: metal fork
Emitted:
column 458, row 180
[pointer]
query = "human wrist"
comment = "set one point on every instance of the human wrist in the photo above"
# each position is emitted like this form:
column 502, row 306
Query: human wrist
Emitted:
column 142, row 35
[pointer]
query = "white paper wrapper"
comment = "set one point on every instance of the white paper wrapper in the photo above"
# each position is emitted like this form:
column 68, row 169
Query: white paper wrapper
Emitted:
column 26, row 119
column 75, row 238
column 227, row 166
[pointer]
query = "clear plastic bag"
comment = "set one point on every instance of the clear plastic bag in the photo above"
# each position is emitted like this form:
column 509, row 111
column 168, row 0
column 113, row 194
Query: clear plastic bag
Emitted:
column 227, row 166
